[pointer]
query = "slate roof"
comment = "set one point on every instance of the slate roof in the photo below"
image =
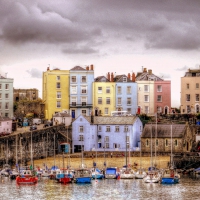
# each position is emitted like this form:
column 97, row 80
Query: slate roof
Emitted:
column 119, row 78
column 101, row 79
column 78, row 68
column 164, row 130
column 145, row 76
column 109, row 120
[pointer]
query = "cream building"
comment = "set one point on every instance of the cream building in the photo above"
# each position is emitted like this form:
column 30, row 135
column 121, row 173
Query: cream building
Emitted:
column 55, row 91
column 190, row 92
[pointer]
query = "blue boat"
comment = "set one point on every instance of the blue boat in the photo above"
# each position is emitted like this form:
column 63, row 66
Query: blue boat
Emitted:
column 82, row 175
column 97, row 174
column 111, row 173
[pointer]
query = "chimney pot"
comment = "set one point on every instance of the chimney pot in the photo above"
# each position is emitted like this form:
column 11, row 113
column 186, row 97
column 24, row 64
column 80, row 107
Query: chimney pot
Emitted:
column 91, row 67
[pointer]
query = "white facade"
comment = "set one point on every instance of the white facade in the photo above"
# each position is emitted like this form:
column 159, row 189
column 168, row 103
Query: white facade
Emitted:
column 5, row 125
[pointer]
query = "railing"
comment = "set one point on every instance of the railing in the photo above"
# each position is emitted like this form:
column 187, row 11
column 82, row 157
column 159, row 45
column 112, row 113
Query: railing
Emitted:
column 83, row 105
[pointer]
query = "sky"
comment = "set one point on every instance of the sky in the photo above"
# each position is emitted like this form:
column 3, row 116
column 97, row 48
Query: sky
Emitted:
column 121, row 36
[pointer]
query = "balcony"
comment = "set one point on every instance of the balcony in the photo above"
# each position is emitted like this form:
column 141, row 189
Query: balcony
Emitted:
column 82, row 105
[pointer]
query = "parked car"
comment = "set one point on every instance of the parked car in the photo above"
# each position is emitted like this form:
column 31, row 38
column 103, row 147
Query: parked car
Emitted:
column 33, row 127
column 47, row 124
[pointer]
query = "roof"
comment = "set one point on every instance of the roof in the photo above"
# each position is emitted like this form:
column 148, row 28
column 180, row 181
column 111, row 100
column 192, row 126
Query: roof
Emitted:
column 110, row 120
column 163, row 130
column 5, row 119
column 62, row 114
column 76, row 68
column 145, row 76
column 119, row 78
column 101, row 79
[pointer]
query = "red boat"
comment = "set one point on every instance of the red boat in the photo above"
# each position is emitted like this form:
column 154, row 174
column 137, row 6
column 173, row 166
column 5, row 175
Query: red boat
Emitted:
column 26, row 177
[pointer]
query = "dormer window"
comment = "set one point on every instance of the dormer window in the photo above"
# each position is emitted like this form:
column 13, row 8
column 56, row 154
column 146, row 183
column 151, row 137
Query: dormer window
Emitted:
column 124, row 79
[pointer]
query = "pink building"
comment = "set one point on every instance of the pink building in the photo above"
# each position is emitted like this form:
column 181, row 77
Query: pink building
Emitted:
column 162, row 96
column 5, row 125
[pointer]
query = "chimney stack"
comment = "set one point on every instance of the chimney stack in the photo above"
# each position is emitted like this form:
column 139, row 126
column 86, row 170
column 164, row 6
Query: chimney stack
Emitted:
column 87, row 68
column 91, row 67
column 150, row 71
column 112, row 77
column 108, row 76
column 47, row 68
column 129, row 76
column 133, row 77
column 145, row 70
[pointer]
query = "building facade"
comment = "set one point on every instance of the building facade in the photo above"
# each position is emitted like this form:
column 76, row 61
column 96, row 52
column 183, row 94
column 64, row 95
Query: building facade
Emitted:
column 103, row 133
column 154, row 93
column 81, row 91
column 55, row 91
column 29, row 94
column 190, row 92
column 6, row 97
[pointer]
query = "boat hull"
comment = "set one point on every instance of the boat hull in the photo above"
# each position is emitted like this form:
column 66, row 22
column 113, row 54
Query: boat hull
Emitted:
column 83, row 180
column 26, row 180
column 64, row 180
column 169, row 180
column 97, row 176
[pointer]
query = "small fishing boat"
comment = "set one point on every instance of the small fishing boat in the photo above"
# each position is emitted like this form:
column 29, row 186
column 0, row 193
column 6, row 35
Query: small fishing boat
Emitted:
column 45, row 173
column 52, row 174
column 111, row 173
column 97, row 174
column 140, row 173
column 82, row 175
column 153, row 176
column 26, row 177
column 5, row 171
column 64, row 175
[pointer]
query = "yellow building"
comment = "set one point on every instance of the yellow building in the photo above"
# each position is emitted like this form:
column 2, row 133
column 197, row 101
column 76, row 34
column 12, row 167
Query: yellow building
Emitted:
column 55, row 91
column 103, row 96
column 190, row 92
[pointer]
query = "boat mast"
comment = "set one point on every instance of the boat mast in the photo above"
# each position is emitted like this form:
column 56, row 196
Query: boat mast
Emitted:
column 31, row 151
column 171, row 148
column 151, row 147
column 54, row 149
column 155, row 140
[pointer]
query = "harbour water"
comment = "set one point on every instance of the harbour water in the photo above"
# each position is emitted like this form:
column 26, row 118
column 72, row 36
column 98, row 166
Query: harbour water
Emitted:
column 110, row 189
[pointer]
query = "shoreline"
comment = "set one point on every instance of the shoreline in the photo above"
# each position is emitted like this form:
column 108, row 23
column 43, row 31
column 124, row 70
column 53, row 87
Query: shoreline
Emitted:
column 161, row 161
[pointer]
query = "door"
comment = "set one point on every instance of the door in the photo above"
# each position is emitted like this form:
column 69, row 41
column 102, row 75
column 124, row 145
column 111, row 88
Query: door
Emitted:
column 73, row 114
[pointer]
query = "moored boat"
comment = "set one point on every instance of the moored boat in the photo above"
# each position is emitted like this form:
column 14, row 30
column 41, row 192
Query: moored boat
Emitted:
column 111, row 173
column 127, row 173
column 97, row 174
column 140, row 174
column 26, row 177
column 82, row 175
column 64, row 175
column 170, row 177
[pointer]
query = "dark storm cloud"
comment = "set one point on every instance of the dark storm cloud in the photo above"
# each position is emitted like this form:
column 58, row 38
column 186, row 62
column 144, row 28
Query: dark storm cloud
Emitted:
column 157, row 24
column 35, row 73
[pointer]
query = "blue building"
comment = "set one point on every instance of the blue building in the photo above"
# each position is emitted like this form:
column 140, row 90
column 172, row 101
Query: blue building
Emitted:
column 126, row 93
column 106, row 132
column 81, row 91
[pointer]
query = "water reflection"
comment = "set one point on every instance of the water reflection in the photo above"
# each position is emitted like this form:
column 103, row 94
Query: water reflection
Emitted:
column 188, row 188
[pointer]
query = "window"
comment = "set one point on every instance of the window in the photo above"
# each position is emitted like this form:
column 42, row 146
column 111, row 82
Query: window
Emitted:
column 99, row 89
column 73, row 89
column 159, row 88
column 73, row 79
column 0, row 86
column 176, row 142
column 119, row 101
column 128, row 101
column 166, row 142
column 156, row 142
column 106, row 138
column 159, row 98
column 187, row 86
column 99, row 128
column 6, row 96
column 124, row 79
column 107, row 100
column 0, row 95
column 73, row 100
column 57, row 85
column 106, row 111
column 129, row 110
column 128, row 89
column 83, row 112
column 116, row 128
column 58, row 104
column 146, row 109
column 81, row 138
column 83, row 89
column 6, row 105
column 107, row 128
column 107, row 145
column 58, row 95
column 127, row 139
column 6, row 114
column 119, row 90
column 125, row 128
column 159, row 109
column 146, row 98
column 147, row 143
column 80, row 129
column 58, row 78
column 197, row 97
column 99, row 100
column 188, row 109
column 83, row 79
column 146, row 88
column 108, row 90
column 197, row 85
column 187, row 97
column 7, row 86
column 0, row 105
column 83, row 101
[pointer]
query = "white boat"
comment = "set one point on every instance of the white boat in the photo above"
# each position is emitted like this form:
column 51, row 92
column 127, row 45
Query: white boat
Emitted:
column 5, row 171
column 127, row 173
column 153, row 176
column 140, row 174
column 45, row 173
column 13, row 174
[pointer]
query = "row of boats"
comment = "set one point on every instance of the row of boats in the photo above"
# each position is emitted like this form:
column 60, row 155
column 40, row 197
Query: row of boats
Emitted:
column 25, row 175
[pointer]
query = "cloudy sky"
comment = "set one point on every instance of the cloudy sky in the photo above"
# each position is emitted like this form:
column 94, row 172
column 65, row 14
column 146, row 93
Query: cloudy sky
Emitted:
column 119, row 36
